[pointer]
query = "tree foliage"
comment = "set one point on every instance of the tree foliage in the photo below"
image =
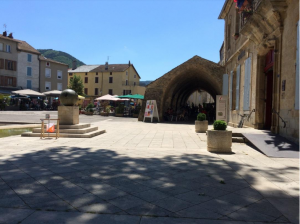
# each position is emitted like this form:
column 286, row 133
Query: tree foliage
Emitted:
column 76, row 84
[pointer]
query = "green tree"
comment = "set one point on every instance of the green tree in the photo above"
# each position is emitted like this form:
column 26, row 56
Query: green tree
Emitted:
column 76, row 84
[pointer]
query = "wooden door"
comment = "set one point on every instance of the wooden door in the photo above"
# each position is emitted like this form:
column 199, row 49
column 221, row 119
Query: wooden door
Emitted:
column 269, row 94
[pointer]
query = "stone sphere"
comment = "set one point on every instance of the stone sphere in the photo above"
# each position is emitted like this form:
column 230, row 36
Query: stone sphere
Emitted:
column 68, row 97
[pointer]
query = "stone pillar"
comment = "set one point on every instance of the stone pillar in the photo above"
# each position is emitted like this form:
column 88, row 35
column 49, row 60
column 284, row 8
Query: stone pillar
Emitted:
column 68, row 115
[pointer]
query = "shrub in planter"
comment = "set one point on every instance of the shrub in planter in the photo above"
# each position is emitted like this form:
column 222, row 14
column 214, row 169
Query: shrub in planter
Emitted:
column 219, row 140
column 220, row 125
column 120, row 110
column 201, row 124
column 201, row 117
column 89, row 109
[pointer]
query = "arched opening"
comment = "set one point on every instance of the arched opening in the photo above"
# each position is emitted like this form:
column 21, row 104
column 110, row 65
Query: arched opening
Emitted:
column 173, row 89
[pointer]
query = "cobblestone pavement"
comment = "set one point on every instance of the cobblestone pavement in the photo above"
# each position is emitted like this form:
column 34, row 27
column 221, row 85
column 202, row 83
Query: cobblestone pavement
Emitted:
column 143, row 173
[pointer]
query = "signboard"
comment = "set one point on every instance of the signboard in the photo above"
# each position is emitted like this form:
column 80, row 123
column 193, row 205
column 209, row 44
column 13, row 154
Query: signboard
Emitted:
column 151, row 110
column 221, row 109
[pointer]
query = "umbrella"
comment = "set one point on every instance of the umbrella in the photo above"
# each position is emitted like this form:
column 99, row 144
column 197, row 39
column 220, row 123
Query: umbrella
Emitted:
column 81, row 97
column 53, row 93
column 28, row 92
column 110, row 98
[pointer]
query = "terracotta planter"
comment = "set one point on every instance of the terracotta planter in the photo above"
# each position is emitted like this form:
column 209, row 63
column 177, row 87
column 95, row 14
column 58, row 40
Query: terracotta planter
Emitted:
column 119, row 115
column 104, row 114
column 219, row 141
column 201, row 126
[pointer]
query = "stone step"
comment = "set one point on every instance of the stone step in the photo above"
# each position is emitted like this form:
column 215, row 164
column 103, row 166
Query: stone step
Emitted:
column 71, row 131
column 237, row 135
column 238, row 139
column 73, row 126
column 65, row 135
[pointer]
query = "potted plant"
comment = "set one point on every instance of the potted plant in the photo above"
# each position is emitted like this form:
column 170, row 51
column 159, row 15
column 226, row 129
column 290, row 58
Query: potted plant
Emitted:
column 201, row 124
column 105, row 112
column 89, row 109
column 120, row 111
column 219, row 139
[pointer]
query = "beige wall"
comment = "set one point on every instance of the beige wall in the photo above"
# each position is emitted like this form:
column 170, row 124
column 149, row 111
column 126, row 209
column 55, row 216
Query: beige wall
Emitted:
column 53, row 80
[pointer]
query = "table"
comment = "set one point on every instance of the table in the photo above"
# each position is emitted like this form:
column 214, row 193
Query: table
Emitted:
column 43, row 130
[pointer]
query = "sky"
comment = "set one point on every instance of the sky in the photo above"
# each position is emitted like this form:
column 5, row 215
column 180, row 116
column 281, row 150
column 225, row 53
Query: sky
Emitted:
column 155, row 35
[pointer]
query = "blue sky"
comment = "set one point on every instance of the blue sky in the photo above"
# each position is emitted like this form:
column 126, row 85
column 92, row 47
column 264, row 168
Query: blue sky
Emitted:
column 155, row 35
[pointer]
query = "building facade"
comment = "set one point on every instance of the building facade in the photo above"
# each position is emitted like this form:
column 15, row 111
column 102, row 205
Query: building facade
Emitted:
column 113, row 79
column 28, row 75
column 261, row 57
column 53, row 75
column 8, row 63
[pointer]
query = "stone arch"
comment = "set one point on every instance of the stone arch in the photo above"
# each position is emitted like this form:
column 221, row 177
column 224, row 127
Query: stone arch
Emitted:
column 174, row 88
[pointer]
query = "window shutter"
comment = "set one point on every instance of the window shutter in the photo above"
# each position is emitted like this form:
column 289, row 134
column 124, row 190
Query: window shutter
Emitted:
column 230, row 91
column 225, row 85
column 1, row 63
column 28, row 84
column 247, row 84
column 237, row 100
column 297, row 72
column 28, row 71
column 14, row 82
column 5, row 81
column 6, row 64
column 14, row 65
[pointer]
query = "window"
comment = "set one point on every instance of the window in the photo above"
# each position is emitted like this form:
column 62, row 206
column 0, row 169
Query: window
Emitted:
column 230, row 90
column 59, row 86
column 110, row 73
column 237, row 100
column 48, row 64
column 1, row 46
column 110, row 92
column 96, row 92
column 126, row 73
column 96, row 73
column 96, row 79
column 247, row 84
column 48, row 85
column 29, row 57
column 134, row 76
column 110, row 79
column 228, row 34
column 9, row 65
column 29, row 70
column 86, row 73
column 134, row 83
column 86, row 79
column 9, row 81
column 48, row 72
column 28, row 84
column 126, row 84
column 59, row 74
column 70, row 74
column 126, row 92
column 85, row 91
column 1, row 63
column 8, row 48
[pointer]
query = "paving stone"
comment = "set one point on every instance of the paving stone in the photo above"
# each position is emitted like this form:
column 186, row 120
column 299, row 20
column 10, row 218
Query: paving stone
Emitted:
column 78, row 201
column 219, row 206
column 198, row 212
column 246, row 214
column 249, row 192
column 151, row 195
column 57, row 205
column 36, row 198
column 126, row 202
column 172, row 204
column 149, row 210
column 9, row 215
column 212, row 191
column 108, row 193
column 193, row 197
column 69, row 191
column 12, row 202
column 237, row 199
column 7, row 193
column 100, row 207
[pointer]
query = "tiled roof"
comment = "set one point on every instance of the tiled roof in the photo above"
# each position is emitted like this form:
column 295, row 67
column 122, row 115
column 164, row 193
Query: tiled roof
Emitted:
column 42, row 58
column 84, row 68
column 24, row 46
column 8, row 38
column 112, row 68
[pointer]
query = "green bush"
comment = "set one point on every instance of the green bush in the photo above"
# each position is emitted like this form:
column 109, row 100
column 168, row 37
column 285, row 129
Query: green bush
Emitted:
column 201, row 117
column 220, row 125
column 107, row 109
column 89, row 107
column 120, row 109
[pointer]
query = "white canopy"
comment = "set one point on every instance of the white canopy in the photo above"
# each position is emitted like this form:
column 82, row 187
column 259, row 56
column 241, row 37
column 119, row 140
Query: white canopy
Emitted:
column 27, row 92
column 109, row 97
column 54, row 93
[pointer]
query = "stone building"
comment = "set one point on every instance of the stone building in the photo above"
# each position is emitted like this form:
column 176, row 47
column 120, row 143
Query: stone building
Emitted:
column 261, row 60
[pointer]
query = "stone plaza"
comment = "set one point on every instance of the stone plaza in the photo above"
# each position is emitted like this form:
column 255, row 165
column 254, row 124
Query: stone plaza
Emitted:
column 141, row 173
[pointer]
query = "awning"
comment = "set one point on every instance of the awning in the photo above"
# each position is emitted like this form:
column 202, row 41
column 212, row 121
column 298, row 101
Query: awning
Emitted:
column 53, row 93
column 135, row 96
column 28, row 92
column 110, row 98
column 81, row 97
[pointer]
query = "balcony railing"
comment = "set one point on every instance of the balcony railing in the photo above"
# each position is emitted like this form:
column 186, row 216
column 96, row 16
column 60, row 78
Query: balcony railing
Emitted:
column 248, row 9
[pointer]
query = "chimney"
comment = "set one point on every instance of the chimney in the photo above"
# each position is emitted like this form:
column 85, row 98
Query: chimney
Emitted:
column 74, row 65
column 129, row 63
column 106, row 65
column 10, row 36
column 4, row 33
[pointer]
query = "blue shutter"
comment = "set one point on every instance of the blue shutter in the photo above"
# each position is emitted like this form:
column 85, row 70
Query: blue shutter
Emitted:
column 230, row 91
column 28, row 71
column 247, row 84
column 28, row 84
column 225, row 85
column 237, row 97
column 297, row 72
column 29, row 57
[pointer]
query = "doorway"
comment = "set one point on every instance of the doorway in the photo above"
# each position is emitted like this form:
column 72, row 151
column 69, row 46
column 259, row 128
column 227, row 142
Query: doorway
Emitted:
column 269, row 89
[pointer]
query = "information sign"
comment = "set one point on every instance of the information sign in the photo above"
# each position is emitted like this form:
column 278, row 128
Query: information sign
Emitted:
column 151, row 110
column 221, row 109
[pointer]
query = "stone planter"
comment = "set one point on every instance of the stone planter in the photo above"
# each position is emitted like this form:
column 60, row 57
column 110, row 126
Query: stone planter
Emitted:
column 219, row 141
column 201, row 126
column 104, row 114
column 119, row 115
